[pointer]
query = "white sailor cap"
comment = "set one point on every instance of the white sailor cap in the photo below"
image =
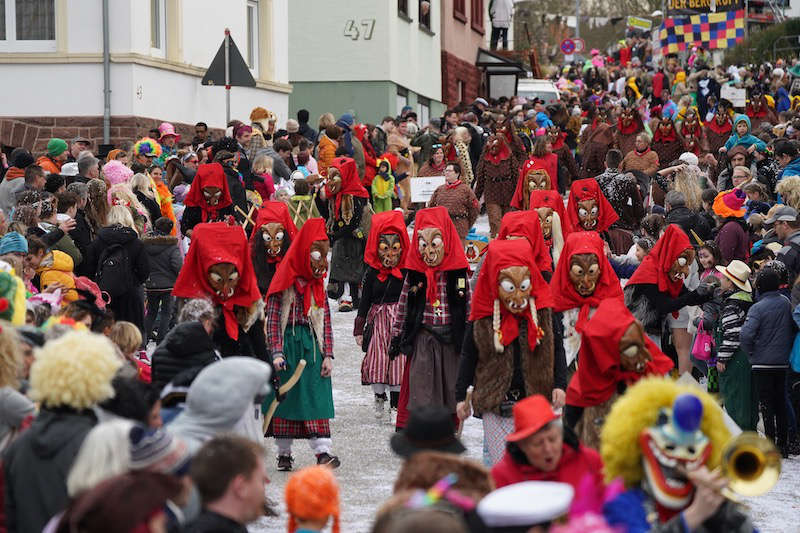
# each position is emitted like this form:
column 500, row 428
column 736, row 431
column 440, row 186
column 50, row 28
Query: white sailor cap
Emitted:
column 525, row 504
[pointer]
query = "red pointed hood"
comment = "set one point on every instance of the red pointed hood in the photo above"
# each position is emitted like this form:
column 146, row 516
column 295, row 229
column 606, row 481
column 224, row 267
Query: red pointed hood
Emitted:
column 526, row 224
column 383, row 223
column 587, row 189
column 274, row 212
column 548, row 163
column 656, row 265
column 350, row 182
column 554, row 201
column 208, row 175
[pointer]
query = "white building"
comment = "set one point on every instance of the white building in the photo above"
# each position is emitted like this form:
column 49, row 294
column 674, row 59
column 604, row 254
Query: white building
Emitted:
column 51, row 60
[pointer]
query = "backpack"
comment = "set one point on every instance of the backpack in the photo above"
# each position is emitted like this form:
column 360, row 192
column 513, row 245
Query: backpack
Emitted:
column 114, row 270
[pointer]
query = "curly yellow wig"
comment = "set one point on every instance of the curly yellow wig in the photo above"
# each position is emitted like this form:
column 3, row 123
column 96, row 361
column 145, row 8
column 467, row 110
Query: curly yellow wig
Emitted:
column 74, row 370
column 789, row 189
column 638, row 409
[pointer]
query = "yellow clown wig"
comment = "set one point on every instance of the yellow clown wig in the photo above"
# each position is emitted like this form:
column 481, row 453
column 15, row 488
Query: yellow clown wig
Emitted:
column 637, row 410
column 74, row 370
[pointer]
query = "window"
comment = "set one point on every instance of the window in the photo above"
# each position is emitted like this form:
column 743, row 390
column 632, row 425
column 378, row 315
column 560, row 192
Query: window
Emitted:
column 476, row 16
column 425, row 14
column 402, row 9
column 252, row 34
column 460, row 10
column 402, row 99
column 423, row 111
column 158, row 27
column 28, row 25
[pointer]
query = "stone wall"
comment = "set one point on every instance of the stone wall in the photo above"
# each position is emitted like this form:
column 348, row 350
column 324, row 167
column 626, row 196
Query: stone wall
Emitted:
column 34, row 132
column 453, row 70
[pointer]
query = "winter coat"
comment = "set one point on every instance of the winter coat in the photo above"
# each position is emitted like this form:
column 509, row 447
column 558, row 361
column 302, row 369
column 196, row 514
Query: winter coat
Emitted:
column 211, row 522
column 500, row 12
column 792, row 169
column 308, row 132
column 50, row 166
column 57, row 267
column 165, row 260
column 82, row 234
column 326, row 153
column 689, row 220
column 187, row 345
column 8, row 194
column 37, row 464
column 153, row 209
column 768, row 332
column 129, row 306
column 733, row 241
column 237, row 189
column 735, row 305
column 789, row 255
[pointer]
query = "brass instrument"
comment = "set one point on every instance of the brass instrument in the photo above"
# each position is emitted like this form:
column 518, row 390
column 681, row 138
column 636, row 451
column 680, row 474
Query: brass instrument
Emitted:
column 752, row 464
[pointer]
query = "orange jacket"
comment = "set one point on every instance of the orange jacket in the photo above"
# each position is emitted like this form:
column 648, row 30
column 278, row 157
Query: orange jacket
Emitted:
column 165, row 199
column 327, row 153
column 50, row 166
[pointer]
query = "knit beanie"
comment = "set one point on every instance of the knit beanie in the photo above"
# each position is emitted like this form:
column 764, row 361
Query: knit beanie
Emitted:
column 312, row 494
column 56, row 147
column 21, row 158
column 163, row 226
column 116, row 172
column 13, row 242
column 157, row 450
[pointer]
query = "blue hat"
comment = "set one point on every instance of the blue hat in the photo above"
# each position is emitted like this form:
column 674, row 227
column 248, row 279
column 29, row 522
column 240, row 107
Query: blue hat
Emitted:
column 346, row 121
column 13, row 242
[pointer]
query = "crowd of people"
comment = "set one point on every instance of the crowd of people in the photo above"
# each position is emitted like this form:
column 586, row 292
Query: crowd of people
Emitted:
column 167, row 307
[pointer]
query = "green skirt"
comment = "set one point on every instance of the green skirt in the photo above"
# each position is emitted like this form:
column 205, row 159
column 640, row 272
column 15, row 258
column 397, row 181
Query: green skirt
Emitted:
column 312, row 397
column 737, row 392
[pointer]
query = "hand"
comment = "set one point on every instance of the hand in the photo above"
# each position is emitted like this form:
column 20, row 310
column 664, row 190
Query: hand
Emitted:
column 559, row 398
column 722, row 150
column 327, row 367
column 721, row 367
column 751, row 149
column 359, row 339
column 279, row 363
column 463, row 410
column 607, row 249
column 707, row 496
column 67, row 225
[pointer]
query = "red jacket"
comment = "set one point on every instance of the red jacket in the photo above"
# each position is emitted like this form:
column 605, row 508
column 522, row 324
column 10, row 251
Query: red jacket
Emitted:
column 574, row 465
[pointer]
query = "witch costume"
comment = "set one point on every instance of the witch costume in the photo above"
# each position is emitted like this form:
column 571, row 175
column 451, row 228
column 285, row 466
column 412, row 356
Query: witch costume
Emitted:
column 271, row 237
column 208, row 200
column 588, row 209
column 555, row 226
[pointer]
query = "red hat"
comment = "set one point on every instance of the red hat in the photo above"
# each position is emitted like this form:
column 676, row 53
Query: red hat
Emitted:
column 656, row 264
column 526, row 224
column 530, row 415
column 554, row 201
column 503, row 254
column 350, row 182
column 272, row 211
column 214, row 243
column 382, row 223
column 208, row 175
column 548, row 163
column 454, row 258
column 589, row 189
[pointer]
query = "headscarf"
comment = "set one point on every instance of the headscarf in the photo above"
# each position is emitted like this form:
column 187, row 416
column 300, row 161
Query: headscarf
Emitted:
column 504, row 254
column 523, row 224
column 549, row 164
column 350, row 182
column 655, row 266
column 272, row 211
column 554, row 201
column 295, row 269
column 214, row 243
column 588, row 189
column 564, row 294
column 208, row 175
column 386, row 222
column 454, row 258
column 660, row 137
column 600, row 369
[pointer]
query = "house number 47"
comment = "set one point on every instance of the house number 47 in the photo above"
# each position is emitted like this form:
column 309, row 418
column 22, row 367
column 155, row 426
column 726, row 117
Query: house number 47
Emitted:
column 351, row 29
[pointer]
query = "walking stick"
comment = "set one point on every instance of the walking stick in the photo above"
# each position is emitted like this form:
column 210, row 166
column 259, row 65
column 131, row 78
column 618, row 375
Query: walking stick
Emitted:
column 468, row 402
column 286, row 387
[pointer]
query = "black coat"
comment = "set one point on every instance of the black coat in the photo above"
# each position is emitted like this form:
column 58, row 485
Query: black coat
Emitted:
column 153, row 209
column 187, row 345
column 688, row 220
column 193, row 215
column 82, row 237
column 165, row 260
column 238, row 191
column 129, row 306
column 211, row 522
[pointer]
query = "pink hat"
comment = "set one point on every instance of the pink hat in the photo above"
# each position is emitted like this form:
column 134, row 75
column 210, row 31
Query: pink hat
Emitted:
column 116, row 172
column 168, row 129
column 594, row 51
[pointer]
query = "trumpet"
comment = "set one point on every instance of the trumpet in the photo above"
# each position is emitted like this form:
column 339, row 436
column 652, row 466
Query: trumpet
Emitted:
column 752, row 464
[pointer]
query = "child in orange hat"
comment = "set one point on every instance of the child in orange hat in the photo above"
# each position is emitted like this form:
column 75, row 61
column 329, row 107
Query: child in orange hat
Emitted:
column 312, row 498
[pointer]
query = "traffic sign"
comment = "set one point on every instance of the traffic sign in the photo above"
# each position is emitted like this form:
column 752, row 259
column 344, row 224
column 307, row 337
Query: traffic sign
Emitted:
column 568, row 46
column 580, row 45
column 228, row 69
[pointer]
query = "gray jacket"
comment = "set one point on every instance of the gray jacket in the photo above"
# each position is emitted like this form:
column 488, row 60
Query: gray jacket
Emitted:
column 279, row 166
column 165, row 260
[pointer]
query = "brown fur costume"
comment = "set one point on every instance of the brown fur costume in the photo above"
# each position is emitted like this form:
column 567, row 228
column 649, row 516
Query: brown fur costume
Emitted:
column 497, row 181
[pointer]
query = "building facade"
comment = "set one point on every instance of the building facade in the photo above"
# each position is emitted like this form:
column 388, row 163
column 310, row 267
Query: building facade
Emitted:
column 51, row 57
column 463, row 33
column 365, row 57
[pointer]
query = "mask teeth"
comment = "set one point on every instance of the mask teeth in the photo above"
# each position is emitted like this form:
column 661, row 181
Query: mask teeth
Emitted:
column 498, row 335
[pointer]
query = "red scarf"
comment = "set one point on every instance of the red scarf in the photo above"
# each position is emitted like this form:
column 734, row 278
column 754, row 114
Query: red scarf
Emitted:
column 655, row 266
column 554, row 201
column 503, row 254
column 564, row 294
column 761, row 113
column 295, row 269
column 600, row 369
column 454, row 184
column 208, row 175
column 719, row 130
column 274, row 212
column 350, row 183
column 382, row 223
column 560, row 141
column 587, row 189
column 214, row 243
column 660, row 137
column 641, row 154
column 522, row 224
column 454, row 258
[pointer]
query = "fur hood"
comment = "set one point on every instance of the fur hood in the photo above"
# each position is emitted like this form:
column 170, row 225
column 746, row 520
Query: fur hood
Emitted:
column 151, row 239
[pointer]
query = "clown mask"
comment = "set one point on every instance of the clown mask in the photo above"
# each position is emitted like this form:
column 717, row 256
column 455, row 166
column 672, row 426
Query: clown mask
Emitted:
column 584, row 271
column 672, row 447
column 680, row 268
column 318, row 255
column 223, row 278
column 389, row 250
column 431, row 246
column 212, row 195
column 334, row 180
column 546, row 221
column 633, row 352
column 588, row 213
column 514, row 288
column 273, row 234
column 537, row 179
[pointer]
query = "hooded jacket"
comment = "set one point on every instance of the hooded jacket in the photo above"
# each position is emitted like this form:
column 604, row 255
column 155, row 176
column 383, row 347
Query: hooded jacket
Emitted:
column 57, row 267
column 165, row 260
column 745, row 140
column 37, row 463
column 768, row 331
column 187, row 345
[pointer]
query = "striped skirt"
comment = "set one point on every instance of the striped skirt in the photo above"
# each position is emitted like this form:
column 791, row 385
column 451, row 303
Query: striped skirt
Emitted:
column 376, row 368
